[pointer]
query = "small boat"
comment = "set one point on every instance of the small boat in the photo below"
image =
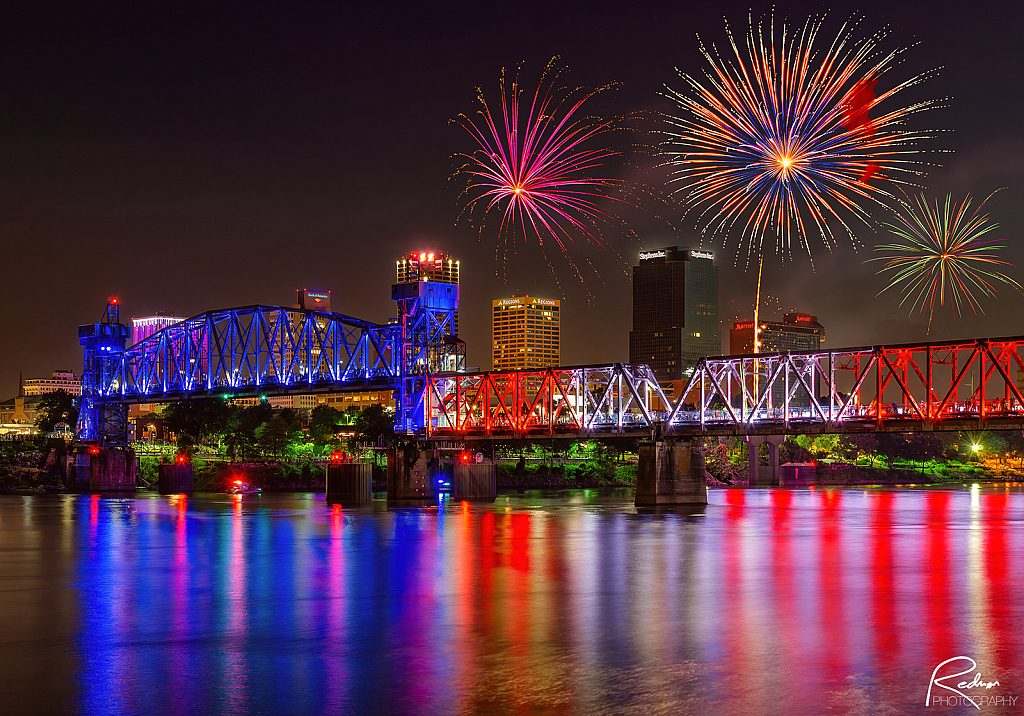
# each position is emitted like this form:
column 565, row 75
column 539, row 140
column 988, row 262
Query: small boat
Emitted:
column 241, row 487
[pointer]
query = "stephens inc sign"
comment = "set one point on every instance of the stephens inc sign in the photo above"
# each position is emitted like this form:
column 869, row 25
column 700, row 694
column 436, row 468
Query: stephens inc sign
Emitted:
column 702, row 255
column 644, row 255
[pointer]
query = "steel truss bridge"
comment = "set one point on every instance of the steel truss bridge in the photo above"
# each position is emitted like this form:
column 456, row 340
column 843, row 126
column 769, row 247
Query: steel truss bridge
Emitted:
column 273, row 350
column 952, row 385
column 618, row 399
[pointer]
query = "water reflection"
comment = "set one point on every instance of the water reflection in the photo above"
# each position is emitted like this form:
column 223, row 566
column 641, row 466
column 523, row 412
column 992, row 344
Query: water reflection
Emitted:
column 768, row 601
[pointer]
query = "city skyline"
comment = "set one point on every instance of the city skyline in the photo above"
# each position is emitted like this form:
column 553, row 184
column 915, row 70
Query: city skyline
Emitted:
column 184, row 187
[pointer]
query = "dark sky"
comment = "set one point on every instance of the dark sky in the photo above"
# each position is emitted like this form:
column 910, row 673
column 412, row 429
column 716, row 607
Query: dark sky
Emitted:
column 194, row 157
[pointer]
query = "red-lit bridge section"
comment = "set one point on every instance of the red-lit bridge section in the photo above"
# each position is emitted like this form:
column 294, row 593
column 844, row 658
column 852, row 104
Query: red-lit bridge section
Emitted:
column 618, row 399
column 954, row 385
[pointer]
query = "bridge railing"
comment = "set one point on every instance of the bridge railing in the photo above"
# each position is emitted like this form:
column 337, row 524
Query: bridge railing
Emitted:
column 941, row 385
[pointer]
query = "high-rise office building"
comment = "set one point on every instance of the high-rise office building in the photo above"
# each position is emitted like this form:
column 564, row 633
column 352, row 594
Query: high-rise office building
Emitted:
column 429, row 266
column 796, row 332
column 525, row 332
column 675, row 311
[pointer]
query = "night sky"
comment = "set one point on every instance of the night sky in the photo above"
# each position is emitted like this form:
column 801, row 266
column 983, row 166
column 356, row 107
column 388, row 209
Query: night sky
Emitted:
column 186, row 158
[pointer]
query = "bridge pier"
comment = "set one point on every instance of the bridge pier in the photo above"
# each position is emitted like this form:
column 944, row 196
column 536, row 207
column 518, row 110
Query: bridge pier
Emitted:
column 671, row 472
column 349, row 483
column 412, row 475
column 102, row 469
column 175, row 479
column 475, row 481
column 763, row 475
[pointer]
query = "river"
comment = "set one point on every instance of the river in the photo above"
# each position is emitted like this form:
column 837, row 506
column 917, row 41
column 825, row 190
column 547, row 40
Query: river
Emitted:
column 768, row 601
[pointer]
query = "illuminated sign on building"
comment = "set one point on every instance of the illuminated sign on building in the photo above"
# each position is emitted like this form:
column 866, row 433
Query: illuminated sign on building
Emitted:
column 742, row 326
column 509, row 301
column 644, row 255
column 702, row 255
column 546, row 302
column 314, row 300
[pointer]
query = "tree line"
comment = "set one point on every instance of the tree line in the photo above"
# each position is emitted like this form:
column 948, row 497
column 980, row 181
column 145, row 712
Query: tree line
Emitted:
column 262, row 431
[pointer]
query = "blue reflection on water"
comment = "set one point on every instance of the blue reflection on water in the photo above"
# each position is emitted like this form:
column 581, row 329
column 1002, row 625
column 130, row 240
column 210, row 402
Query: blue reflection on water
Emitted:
column 768, row 601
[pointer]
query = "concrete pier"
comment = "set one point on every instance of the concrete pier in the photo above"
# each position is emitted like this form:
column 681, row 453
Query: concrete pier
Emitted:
column 79, row 469
column 112, row 469
column 474, row 482
column 758, row 474
column 671, row 472
column 411, row 476
column 175, row 479
column 349, row 484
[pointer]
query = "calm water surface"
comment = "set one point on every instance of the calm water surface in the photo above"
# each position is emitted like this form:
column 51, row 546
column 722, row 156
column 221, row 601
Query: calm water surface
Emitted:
column 767, row 601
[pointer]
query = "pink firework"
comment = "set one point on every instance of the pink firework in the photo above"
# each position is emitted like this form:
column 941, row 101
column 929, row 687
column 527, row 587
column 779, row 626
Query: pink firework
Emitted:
column 535, row 162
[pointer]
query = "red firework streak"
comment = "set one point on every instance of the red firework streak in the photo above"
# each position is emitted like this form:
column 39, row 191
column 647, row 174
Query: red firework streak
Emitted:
column 856, row 117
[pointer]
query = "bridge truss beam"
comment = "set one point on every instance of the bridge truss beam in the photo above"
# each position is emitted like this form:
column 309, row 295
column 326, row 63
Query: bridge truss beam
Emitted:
column 930, row 386
column 264, row 350
column 617, row 399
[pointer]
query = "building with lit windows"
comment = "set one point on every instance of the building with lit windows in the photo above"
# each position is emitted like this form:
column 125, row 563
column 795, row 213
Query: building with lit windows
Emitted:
column 525, row 332
column 143, row 328
column 675, row 311
column 795, row 333
column 61, row 380
column 429, row 266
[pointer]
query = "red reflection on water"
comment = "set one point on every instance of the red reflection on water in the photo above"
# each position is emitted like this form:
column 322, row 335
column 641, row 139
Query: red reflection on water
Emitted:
column 236, row 667
column 832, row 597
column 784, row 573
column 180, row 671
column 940, row 639
column 883, row 596
column 335, row 663
column 998, row 582
column 736, row 499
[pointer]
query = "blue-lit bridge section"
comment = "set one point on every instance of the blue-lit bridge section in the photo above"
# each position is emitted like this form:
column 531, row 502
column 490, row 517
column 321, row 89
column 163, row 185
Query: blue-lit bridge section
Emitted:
column 238, row 352
column 258, row 349
column 952, row 385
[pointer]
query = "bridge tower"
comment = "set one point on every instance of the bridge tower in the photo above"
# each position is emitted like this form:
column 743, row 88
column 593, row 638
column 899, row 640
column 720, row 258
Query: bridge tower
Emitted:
column 427, row 313
column 104, row 342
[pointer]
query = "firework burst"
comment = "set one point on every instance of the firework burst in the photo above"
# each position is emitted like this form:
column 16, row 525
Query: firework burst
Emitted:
column 777, row 138
column 946, row 255
column 538, row 164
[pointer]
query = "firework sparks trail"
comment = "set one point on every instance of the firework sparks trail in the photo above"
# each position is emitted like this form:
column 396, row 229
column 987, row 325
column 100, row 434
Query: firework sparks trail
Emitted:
column 778, row 137
column 946, row 255
column 534, row 165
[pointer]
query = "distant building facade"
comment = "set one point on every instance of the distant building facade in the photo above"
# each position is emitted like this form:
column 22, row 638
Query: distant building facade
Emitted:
column 796, row 332
column 313, row 300
column 64, row 380
column 525, row 333
column 19, row 413
column 144, row 327
column 675, row 311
